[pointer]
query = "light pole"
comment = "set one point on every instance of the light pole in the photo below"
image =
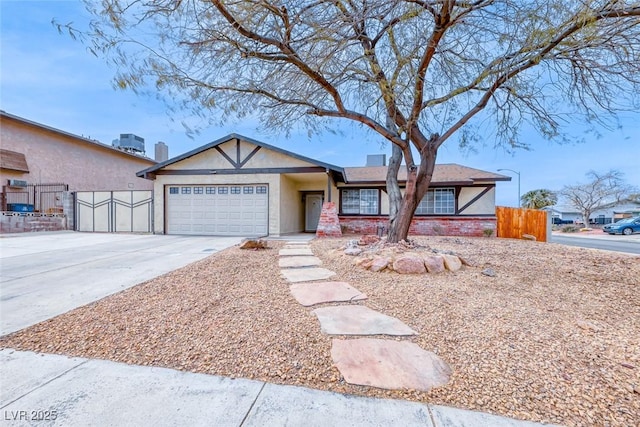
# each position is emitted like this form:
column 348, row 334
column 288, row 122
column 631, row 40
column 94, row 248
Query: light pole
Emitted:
column 518, row 173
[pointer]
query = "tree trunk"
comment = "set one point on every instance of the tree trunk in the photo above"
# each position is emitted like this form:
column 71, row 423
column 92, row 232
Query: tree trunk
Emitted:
column 416, row 186
column 399, row 227
column 393, row 188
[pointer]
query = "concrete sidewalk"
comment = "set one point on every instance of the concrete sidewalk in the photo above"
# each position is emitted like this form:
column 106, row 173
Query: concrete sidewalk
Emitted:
column 53, row 390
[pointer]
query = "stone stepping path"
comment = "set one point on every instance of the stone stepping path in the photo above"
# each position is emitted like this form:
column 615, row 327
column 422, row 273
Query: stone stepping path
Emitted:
column 298, row 261
column 359, row 320
column 302, row 250
column 388, row 364
column 308, row 294
column 296, row 275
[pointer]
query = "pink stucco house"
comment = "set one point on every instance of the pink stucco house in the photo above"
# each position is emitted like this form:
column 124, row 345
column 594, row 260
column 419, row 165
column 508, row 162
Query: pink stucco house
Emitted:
column 38, row 162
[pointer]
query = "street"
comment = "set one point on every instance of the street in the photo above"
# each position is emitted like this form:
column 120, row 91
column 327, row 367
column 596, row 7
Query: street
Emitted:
column 610, row 243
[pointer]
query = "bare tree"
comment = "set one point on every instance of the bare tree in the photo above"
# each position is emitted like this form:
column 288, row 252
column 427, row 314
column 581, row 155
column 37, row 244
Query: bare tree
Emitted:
column 600, row 190
column 414, row 71
column 538, row 199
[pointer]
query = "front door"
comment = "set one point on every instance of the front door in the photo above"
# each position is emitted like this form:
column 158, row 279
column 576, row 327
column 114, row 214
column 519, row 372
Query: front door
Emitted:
column 313, row 208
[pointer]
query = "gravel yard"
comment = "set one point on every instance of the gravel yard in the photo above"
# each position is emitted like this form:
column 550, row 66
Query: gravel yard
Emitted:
column 554, row 337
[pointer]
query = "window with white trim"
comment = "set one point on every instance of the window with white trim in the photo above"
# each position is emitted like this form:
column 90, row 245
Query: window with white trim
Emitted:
column 438, row 201
column 174, row 190
column 364, row 201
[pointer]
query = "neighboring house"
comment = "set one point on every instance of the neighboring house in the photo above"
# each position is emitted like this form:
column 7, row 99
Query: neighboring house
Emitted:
column 563, row 214
column 239, row 186
column 38, row 154
column 616, row 211
column 605, row 215
column 40, row 166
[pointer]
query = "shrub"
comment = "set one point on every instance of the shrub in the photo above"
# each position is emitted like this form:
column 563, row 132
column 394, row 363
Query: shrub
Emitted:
column 488, row 232
column 570, row 229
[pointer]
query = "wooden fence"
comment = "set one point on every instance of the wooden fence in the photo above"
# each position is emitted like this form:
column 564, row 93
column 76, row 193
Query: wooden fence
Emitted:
column 514, row 223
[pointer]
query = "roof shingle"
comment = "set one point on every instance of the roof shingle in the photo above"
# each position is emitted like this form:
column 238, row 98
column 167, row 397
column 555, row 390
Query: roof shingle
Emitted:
column 443, row 174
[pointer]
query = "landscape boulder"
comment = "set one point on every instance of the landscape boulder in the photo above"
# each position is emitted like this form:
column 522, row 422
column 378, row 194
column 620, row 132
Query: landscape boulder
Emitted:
column 452, row 262
column 253, row 244
column 368, row 239
column 434, row 264
column 353, row 251
column 409, row 264
column 380, row 263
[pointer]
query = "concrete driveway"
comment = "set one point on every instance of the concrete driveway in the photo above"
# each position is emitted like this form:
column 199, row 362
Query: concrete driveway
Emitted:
column 47, row 274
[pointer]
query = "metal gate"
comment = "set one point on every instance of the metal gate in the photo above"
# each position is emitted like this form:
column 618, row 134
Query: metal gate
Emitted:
column 43, row 198
column 114, row 211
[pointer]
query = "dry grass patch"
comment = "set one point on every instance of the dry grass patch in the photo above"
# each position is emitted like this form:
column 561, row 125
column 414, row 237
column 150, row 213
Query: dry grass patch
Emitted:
column 554, row 337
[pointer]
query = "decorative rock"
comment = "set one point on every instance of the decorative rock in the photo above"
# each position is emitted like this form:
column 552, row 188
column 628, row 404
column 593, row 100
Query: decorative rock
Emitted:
column 353, row 243
column 409, row 264
column 586, row 325
column 465, row 261
column 434, row 264
column 452, row 262
column 529, row 237
column 387, row 364
column 368, row 239
column 489, row 272
column 380, row 263
column 253, row 244
column 353, row 251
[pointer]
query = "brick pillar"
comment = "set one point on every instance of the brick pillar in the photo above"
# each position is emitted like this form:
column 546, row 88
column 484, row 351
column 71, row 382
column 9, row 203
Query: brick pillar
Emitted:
column 329, row 224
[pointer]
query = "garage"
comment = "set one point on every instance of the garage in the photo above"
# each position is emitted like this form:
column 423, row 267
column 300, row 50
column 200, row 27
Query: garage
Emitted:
column 220, row 210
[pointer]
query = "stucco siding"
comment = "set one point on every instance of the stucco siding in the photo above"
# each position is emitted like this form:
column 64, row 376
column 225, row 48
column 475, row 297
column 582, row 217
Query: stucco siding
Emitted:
column 265, row 158
column 485, row 205
column 209, row 159
column 291, row 207
column 57, row 158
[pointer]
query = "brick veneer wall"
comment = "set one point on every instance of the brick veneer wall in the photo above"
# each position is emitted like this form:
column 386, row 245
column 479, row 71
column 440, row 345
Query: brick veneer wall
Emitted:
column 421, row 226
column 329, row 224
column 13, row 222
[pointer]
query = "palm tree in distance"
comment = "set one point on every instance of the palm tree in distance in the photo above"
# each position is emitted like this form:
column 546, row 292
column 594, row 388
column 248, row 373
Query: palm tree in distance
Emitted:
column 538, row 199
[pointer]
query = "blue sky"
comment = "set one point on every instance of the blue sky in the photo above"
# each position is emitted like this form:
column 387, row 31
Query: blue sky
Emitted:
column 51, row 79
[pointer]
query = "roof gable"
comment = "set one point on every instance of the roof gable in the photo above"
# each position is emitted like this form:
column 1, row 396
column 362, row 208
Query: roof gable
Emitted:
column 236, row 151
column 90, row 143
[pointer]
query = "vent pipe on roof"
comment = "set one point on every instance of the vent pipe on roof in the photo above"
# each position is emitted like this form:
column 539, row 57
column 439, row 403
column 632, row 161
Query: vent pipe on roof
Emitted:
column 376, row 160
column 162, row 152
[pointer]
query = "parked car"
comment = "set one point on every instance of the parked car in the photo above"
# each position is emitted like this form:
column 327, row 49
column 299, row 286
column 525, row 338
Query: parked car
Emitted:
column 558, row 221
column 625, row 226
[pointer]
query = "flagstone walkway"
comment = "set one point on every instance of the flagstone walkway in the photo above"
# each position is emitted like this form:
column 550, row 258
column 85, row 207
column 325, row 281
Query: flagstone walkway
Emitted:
column 382, row 363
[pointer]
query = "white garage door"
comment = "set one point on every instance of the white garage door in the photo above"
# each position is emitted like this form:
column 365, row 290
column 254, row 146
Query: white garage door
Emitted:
column 219, row 210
